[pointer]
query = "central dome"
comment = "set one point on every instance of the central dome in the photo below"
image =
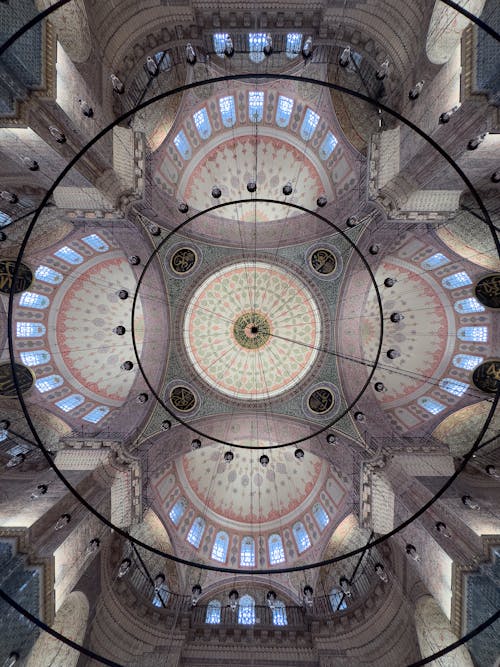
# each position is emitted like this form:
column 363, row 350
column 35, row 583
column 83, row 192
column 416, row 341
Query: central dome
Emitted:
column 252, row 330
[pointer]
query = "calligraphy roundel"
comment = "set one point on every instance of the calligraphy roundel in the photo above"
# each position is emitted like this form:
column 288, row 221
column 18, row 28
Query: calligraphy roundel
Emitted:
column 182, row 399
column 23, row 279
column 488, row 290
column 486, row 376
column 24, row 376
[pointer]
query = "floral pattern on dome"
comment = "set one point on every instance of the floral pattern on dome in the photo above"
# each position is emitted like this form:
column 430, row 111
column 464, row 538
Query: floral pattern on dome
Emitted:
column 252, row 330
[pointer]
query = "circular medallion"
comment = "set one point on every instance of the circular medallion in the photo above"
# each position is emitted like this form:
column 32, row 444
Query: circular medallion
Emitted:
column 182, row 399
column 323, row 261
column 488, row 290
column 7, row 385
column 24, row 277
column 252, row 330
column 321, row 400
column 183, row 260
column 486, row 376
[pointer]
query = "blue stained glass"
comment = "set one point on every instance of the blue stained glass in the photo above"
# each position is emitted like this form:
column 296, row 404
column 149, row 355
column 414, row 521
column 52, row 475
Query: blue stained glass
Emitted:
column 246, row 610
column 284, row 111
column 301, row 537
column 460, row 279
column 328, row 146
column 247, row 553
column 70, row 402
column 177, row 511
column 213, row 612
column 202, row 123
column 195, row 532
column 473, row 334
column 276, row 551
column 279, row 613
column 96, row 414
column 48, row 275
column 48, row 383
column 182, row 145
column 219, row 549
column 309, row 124
column 35, row 357
column 470, row 305
column 33, row 300
column 429, row 404
column 453, row 386
column 293, row 44
column 435, row 261
column 29, row 329
column 4, row 219
column 337, row 600
column 163, row 60
column 227, row 111
column 321, row 516
column 69, row 255
column 467, row 361
column 256, row 44
column 255, row 106
column 161, row 595
column 219, row 42
column 95, row 242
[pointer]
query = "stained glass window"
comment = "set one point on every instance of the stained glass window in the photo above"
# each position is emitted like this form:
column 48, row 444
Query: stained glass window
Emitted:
column 321, row 516
column 161, row 595
column 227, row 111
column 35, row 357
column 70, row 402
column 202, row 123
column 29, row 329
column 69, row 255
column 48, row 383
column 473, row 334
column 279, row 613
column 467, row 361
column 453, row 386
column 255, row 105
column 219, row 549
column 470, row 305
column 33, row 300
column 182, row 145
column 177, row 511
column 256, row 44
column 328, row 146
column 96, row 414
column 293, row 44
column 276, row 551
column 301, row 537
column 284, row 111
column 460, row 279
column 213, row 612
column 337, row 600
column 247, row 553
column 48, row 275
column 246, row 610
column 429, row 404
column 219, row 42
column 435, row 261
column 95, row 242
column 196, row 532
column 163, row 60
column 309, row 124
column 4, row 219
column 4, row 434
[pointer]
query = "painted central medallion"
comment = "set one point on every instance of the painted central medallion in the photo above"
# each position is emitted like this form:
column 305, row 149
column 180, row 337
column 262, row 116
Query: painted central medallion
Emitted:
column 252, row 330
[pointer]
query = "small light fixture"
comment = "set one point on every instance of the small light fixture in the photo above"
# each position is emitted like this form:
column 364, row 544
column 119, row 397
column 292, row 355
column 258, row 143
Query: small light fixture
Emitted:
column 195, row 594
column 331, row 439
column 154, row 230
column 397, row 317
column 152, row 66
column 468, row 502
column 345, row 57
column 166, row 425
column 299, row 454
column 41, row 490
column 195, row 444
column 416, row 90
column 345, row 585
column 62, row 521
column 228, row 457
column 15, row 461
column 271, row 598
column 495, row 177
column 442, row 529
column 379, row 386
column 251, row 186
column 134, row 260
column 93, row 546
column 3, row 236
column 352, row 221
column 268, row 46
column 228, row 47
column 492, row 471
column 383, row 70
column 12, row 659
column 287, row 189
column 4, row 424
column 389, row 282
column 446, row 115
column 477, row 141
column 183, row 207
column 123, row 294
column 118, row 86
column 321, row 201
column 233, row 599
column 159, row 580
column 190, row 54
column 216, row 192
column 264, row 460
column 307, row 49
column 360, row 416
column 119, row 330
column 412, row 552
column 381, row 573
column 127, row 365
column 142, row 397
column 374, row 249
column 393, row 354
column 308, row 595
column 124, row 567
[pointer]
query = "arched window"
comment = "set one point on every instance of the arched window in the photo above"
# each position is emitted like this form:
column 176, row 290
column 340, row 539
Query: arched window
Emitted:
column 219, row 42
column 247, row 553
column 219, row 549
column 246, row 610
column 202, row 123
column 309, row 124
column 293, row 44
column 70, row 402
column 435, row 261
column 467, row 361
column 337, row 600
column 177, row 511
column 48, row 383
column 301, row 537
column 283, row 111
column 453, row 386
column 161, row 595
column 29, row 329
column 33, row 300
column 473, row 334
column 96, row 243
column 182, row 145
column 4, row 434
column 196, row 532
column 321, row 516
column 35, row 357
column 429, row 404
column 276, row 551
column 69, row 255
column 255, row 105
column 470, row 305
column 227, row 111
column 213, row 612
column 96, row 414
column 256, row 44
column 48, row 275
column 460, row 279
column 163, row 60
column 328, row 146
column 279, row 613
column 4, row 219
